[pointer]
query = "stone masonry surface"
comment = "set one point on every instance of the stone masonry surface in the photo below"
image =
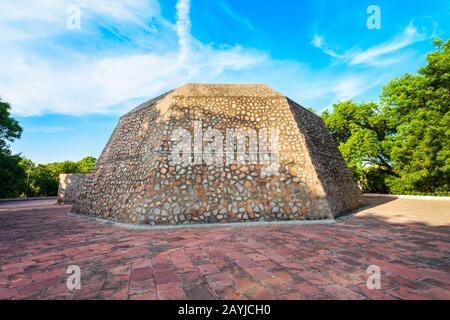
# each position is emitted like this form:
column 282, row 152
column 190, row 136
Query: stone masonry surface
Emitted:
column 409, row 240
column 134, row 181
column 69, row 186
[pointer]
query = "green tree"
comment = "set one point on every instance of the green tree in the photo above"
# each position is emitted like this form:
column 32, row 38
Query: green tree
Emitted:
column 86, row 164
column 43, row 181
column 10, row 129
column 28, row 190
column 19, row 176
column 11, row 174
column 361, row 132
column 44, row 178
column 402, row 144
column 419, row 107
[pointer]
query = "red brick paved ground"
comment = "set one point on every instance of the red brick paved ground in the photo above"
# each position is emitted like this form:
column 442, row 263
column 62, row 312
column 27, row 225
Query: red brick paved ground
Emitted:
column 38, row 241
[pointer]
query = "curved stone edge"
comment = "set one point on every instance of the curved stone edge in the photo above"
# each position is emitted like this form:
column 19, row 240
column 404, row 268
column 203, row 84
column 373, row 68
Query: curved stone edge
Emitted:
column 202, row 225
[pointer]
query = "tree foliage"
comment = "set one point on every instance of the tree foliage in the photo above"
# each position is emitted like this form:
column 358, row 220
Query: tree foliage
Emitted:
column 20, row 177
column 12, row 176
column 419, row 106
column 402, row 144
column 360, row 131
column 10, row 129
column 43, row 179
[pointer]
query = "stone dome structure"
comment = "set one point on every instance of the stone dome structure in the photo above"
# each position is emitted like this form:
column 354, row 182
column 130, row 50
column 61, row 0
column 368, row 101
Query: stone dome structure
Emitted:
column 206, row 153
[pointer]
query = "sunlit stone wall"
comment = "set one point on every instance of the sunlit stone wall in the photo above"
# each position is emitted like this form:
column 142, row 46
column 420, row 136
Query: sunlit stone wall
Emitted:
column 135, row 182
column 69, row 187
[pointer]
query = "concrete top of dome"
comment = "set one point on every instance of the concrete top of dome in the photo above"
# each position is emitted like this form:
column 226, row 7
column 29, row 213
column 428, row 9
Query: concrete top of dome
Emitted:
column 201, row 89
column 209, row 90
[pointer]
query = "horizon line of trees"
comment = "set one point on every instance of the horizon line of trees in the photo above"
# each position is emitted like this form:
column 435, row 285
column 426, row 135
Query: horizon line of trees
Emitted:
column 19, row 176
column 24, row 179
column 399, row 145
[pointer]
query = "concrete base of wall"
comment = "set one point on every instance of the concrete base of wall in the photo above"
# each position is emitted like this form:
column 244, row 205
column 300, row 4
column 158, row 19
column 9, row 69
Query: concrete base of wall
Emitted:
column 204, row 225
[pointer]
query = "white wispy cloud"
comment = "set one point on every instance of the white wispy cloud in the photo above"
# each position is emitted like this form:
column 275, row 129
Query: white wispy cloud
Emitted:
column 80, row 83
column 318, row 41
column 379, row 55
column 46, row 68
column 232, row 14
column 183, row 26
column 351, row 86
column 409, row 36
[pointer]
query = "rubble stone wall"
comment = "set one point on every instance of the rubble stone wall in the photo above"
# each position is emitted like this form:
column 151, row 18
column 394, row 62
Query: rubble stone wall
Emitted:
column 135, row 182
column 69, row 187
column 342, row 191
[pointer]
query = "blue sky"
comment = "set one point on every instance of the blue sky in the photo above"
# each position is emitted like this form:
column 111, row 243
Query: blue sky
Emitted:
column 69, row 86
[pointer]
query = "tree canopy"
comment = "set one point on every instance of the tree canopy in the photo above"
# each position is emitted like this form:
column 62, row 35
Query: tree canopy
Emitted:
column 10, row 129
column 402, row 143
column 25, row 179
column 19, row 176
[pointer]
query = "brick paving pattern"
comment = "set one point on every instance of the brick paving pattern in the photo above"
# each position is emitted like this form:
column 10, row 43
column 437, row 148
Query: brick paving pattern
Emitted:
column 409, row 240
